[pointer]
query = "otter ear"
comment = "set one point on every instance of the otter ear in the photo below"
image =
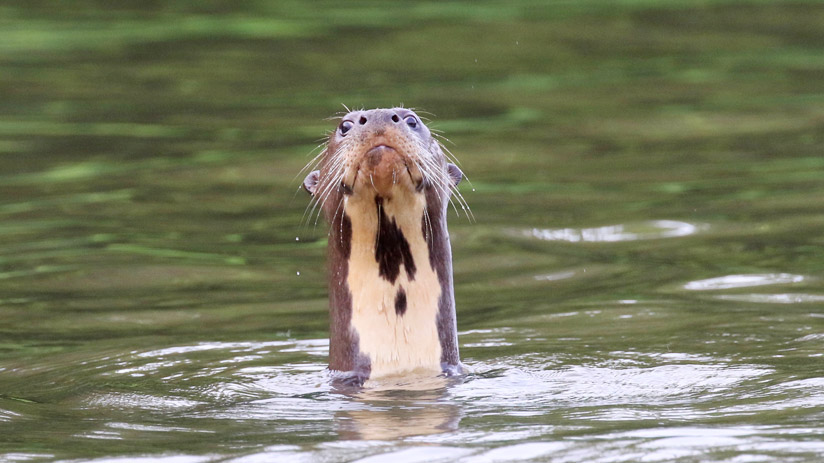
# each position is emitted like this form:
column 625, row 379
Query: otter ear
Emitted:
column 310, row 183
column 455, row 174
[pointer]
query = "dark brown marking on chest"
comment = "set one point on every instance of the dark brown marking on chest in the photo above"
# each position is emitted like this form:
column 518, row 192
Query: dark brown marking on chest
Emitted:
column 400, row 302
column 392, row 248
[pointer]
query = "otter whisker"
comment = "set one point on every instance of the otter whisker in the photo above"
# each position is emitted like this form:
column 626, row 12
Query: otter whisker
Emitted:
column 378, row 234
column 341, row 203
column 428, row 222
column 448, row 153
column 462, row 201
column 322, row 194
column 344, row 200
column 371, row 179
column 452, row 203
column 325, row 194
column 435, row 172
column 313, row 162
column 445, row 184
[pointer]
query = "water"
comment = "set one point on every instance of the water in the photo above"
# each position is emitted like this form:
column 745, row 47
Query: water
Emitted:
column 643, row 281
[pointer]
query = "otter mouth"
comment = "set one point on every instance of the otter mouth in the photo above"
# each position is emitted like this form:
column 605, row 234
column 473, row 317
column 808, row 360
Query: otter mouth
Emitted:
column 378, row 150
column 381, row 168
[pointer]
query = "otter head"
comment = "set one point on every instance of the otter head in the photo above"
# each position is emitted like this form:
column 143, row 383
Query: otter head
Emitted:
column 384, row 184
column 379, row 153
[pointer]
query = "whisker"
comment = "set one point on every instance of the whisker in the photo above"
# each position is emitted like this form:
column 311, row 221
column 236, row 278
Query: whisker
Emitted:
column 439, row 177
column 344, row 200
column 449, row 154
column 378, row 234
column 335, row 215
column 312, row 163
column 324, row 194
column 464, row 205
column 428, row 220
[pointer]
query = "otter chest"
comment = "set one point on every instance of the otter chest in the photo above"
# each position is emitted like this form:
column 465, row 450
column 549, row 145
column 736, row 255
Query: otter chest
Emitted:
column 395, row 291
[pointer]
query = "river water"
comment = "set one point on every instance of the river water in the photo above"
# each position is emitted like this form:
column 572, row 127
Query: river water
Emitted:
column 643, row 280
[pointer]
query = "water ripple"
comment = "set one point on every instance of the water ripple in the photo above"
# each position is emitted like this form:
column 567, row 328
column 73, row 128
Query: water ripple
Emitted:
column 531, row 391
column 651, row 230
column 200, row 388
column 789, row 298
column 743, row 281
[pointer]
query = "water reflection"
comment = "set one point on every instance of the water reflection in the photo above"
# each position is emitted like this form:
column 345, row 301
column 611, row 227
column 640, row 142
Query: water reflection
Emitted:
column 397, row 410
column 391, row 408
column 756, row 443
column 743, row 281
column 789, row 298
column 655, row 229
column 535, row 399
column 556, row 276
column 519, row 452
column 608, row 392
column 419, row 455
column 136, row 401
column 153, row 459
column 297, row 394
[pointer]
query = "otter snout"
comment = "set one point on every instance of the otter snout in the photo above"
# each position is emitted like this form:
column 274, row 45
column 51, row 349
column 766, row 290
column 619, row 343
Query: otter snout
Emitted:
column 378, row 152
column 383, row 158
column 384, row 168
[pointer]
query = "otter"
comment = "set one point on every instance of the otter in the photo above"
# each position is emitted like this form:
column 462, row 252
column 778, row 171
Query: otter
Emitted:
column 384, row 184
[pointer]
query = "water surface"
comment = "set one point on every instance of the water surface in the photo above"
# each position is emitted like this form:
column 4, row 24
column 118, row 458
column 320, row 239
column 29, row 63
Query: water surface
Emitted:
column 643, row 280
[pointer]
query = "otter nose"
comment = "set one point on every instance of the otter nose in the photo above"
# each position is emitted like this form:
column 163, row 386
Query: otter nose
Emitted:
column 379, row 118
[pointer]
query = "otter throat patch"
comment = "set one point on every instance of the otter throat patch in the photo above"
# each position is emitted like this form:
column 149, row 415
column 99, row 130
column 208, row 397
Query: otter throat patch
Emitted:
column 395, row 291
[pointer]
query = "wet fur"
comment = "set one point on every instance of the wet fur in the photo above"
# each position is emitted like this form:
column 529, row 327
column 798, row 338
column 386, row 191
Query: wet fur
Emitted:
column 391, row 298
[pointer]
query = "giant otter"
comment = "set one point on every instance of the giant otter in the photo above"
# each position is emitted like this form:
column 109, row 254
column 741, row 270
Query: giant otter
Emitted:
column 384, row 185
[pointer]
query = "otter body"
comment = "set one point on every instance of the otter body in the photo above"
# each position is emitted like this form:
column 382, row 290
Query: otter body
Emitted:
column 384, row 186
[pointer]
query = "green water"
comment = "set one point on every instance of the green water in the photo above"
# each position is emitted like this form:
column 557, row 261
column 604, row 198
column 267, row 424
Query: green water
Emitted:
column 644, row 280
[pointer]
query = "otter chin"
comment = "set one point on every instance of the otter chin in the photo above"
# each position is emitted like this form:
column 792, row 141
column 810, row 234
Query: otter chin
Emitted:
column 384, row 185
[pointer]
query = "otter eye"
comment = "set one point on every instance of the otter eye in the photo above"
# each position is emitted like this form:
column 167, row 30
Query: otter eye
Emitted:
column 345, row 126
column 411, row 121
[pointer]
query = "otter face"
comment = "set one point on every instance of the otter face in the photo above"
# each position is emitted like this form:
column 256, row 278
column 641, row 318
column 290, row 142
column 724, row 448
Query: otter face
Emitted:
column 377, row 153
column 383, row 184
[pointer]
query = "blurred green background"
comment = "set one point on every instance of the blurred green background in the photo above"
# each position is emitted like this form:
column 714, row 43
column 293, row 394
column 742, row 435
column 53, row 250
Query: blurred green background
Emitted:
column 149, row 196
